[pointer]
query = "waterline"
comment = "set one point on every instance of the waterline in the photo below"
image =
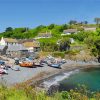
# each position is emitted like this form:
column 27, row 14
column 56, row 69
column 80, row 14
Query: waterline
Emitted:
column 56, row 79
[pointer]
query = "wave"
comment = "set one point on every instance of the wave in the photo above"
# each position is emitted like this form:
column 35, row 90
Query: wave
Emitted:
column 56, row 79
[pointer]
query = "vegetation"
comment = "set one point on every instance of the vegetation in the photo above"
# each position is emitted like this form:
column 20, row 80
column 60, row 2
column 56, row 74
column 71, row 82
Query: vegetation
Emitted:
column 59, row 43
column 28, row 93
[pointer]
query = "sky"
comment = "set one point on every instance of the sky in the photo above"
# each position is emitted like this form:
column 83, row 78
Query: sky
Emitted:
column 31, row 13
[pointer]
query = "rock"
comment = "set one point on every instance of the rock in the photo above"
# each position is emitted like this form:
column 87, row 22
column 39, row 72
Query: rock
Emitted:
column 53, row 89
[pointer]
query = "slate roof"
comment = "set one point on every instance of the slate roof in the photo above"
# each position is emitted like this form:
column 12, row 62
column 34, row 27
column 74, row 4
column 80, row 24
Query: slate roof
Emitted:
column 90, row 28
column 70, row 31
column 18, row 47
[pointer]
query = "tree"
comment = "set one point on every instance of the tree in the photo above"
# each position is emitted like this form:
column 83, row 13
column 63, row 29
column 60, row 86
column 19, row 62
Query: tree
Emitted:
column 96, row 50
column 65, row 26
column 85, row 22
column 72, row 22
column 9, row 29
column 64, row 44
column 51, row 26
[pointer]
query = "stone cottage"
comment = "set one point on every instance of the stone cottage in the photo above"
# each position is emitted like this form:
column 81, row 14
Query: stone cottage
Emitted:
column 13, row 48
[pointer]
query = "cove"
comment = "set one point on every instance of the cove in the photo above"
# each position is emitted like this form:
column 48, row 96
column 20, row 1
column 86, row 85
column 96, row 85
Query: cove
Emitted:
column 90, row 77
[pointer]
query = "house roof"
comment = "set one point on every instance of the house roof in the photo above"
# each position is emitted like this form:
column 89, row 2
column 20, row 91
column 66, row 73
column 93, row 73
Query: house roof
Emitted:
column 10, row 40
column 31, row 44
column 89, row 28
column 18, row 47
column 47, row 34
column 70, row 31
column 28, row 44
column 25, row 40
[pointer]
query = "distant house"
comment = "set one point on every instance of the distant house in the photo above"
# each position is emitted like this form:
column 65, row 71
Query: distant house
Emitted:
column 72, row 40
column 70, row 31
column 44, row 35
column 89, row 28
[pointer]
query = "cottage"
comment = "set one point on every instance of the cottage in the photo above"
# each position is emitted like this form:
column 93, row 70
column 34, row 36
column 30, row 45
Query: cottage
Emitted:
column 29, row 46
column 32, row 46
column 36, row 46
column 17, row 50
column 89, row 28
column 70, row 31
column 44, row 35
column 12, row 48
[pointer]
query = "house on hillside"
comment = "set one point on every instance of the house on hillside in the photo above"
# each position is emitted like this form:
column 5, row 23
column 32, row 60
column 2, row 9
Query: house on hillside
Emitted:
column 44, row 35
column 70, row 31
column 89, row 28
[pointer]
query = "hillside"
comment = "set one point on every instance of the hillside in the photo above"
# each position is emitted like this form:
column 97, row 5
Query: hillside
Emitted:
column 52, row 40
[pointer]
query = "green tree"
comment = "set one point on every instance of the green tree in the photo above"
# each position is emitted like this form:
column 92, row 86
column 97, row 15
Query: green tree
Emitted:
column 72, row 22
column 51, row 26
column 64, row 44
column 9, row 29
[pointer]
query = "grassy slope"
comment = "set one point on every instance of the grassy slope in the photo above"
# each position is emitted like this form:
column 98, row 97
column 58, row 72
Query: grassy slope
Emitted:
column 27, row 93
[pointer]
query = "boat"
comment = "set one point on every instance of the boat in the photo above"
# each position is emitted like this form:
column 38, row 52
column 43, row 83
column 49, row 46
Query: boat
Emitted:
column 26, row 64
column 2, row 71
column 55, row 65
column 15, row 68
column 2, row 62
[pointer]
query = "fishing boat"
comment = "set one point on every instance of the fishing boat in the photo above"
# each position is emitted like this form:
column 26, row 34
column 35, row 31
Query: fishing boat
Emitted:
column 27, row 64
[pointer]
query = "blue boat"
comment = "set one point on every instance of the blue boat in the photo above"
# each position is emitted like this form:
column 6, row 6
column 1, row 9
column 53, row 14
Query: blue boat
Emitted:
column 55, row 65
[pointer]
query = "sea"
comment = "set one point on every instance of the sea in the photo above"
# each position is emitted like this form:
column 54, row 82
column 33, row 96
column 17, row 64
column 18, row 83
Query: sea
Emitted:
column 89, row 77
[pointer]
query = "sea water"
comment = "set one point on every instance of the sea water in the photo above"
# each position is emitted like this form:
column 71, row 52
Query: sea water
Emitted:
column 90, row 77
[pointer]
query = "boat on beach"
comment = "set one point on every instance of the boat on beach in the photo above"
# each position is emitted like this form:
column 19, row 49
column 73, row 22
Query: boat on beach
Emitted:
column 55, row 65
column 3, row 71
column 26, row 64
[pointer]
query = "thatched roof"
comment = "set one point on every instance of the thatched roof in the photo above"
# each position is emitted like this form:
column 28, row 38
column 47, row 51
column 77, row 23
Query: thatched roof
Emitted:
column 10, row 40
column 31, row 44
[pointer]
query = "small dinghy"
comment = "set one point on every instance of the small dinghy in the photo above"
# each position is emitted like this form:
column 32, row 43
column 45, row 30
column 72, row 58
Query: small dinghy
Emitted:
column 15, row 68
column 2, row 71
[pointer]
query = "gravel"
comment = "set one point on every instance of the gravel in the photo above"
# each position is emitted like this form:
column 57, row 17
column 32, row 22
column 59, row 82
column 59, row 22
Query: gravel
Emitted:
column 24, row 74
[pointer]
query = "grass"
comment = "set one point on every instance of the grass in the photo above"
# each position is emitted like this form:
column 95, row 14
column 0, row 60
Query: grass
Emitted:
column 28, row 93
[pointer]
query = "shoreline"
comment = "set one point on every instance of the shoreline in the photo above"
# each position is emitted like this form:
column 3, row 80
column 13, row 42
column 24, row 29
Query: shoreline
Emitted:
column 38, row 79
column 34, row 76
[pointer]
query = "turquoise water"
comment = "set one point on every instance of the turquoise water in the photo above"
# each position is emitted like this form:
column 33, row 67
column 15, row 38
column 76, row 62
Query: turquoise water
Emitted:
column 89, row 77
